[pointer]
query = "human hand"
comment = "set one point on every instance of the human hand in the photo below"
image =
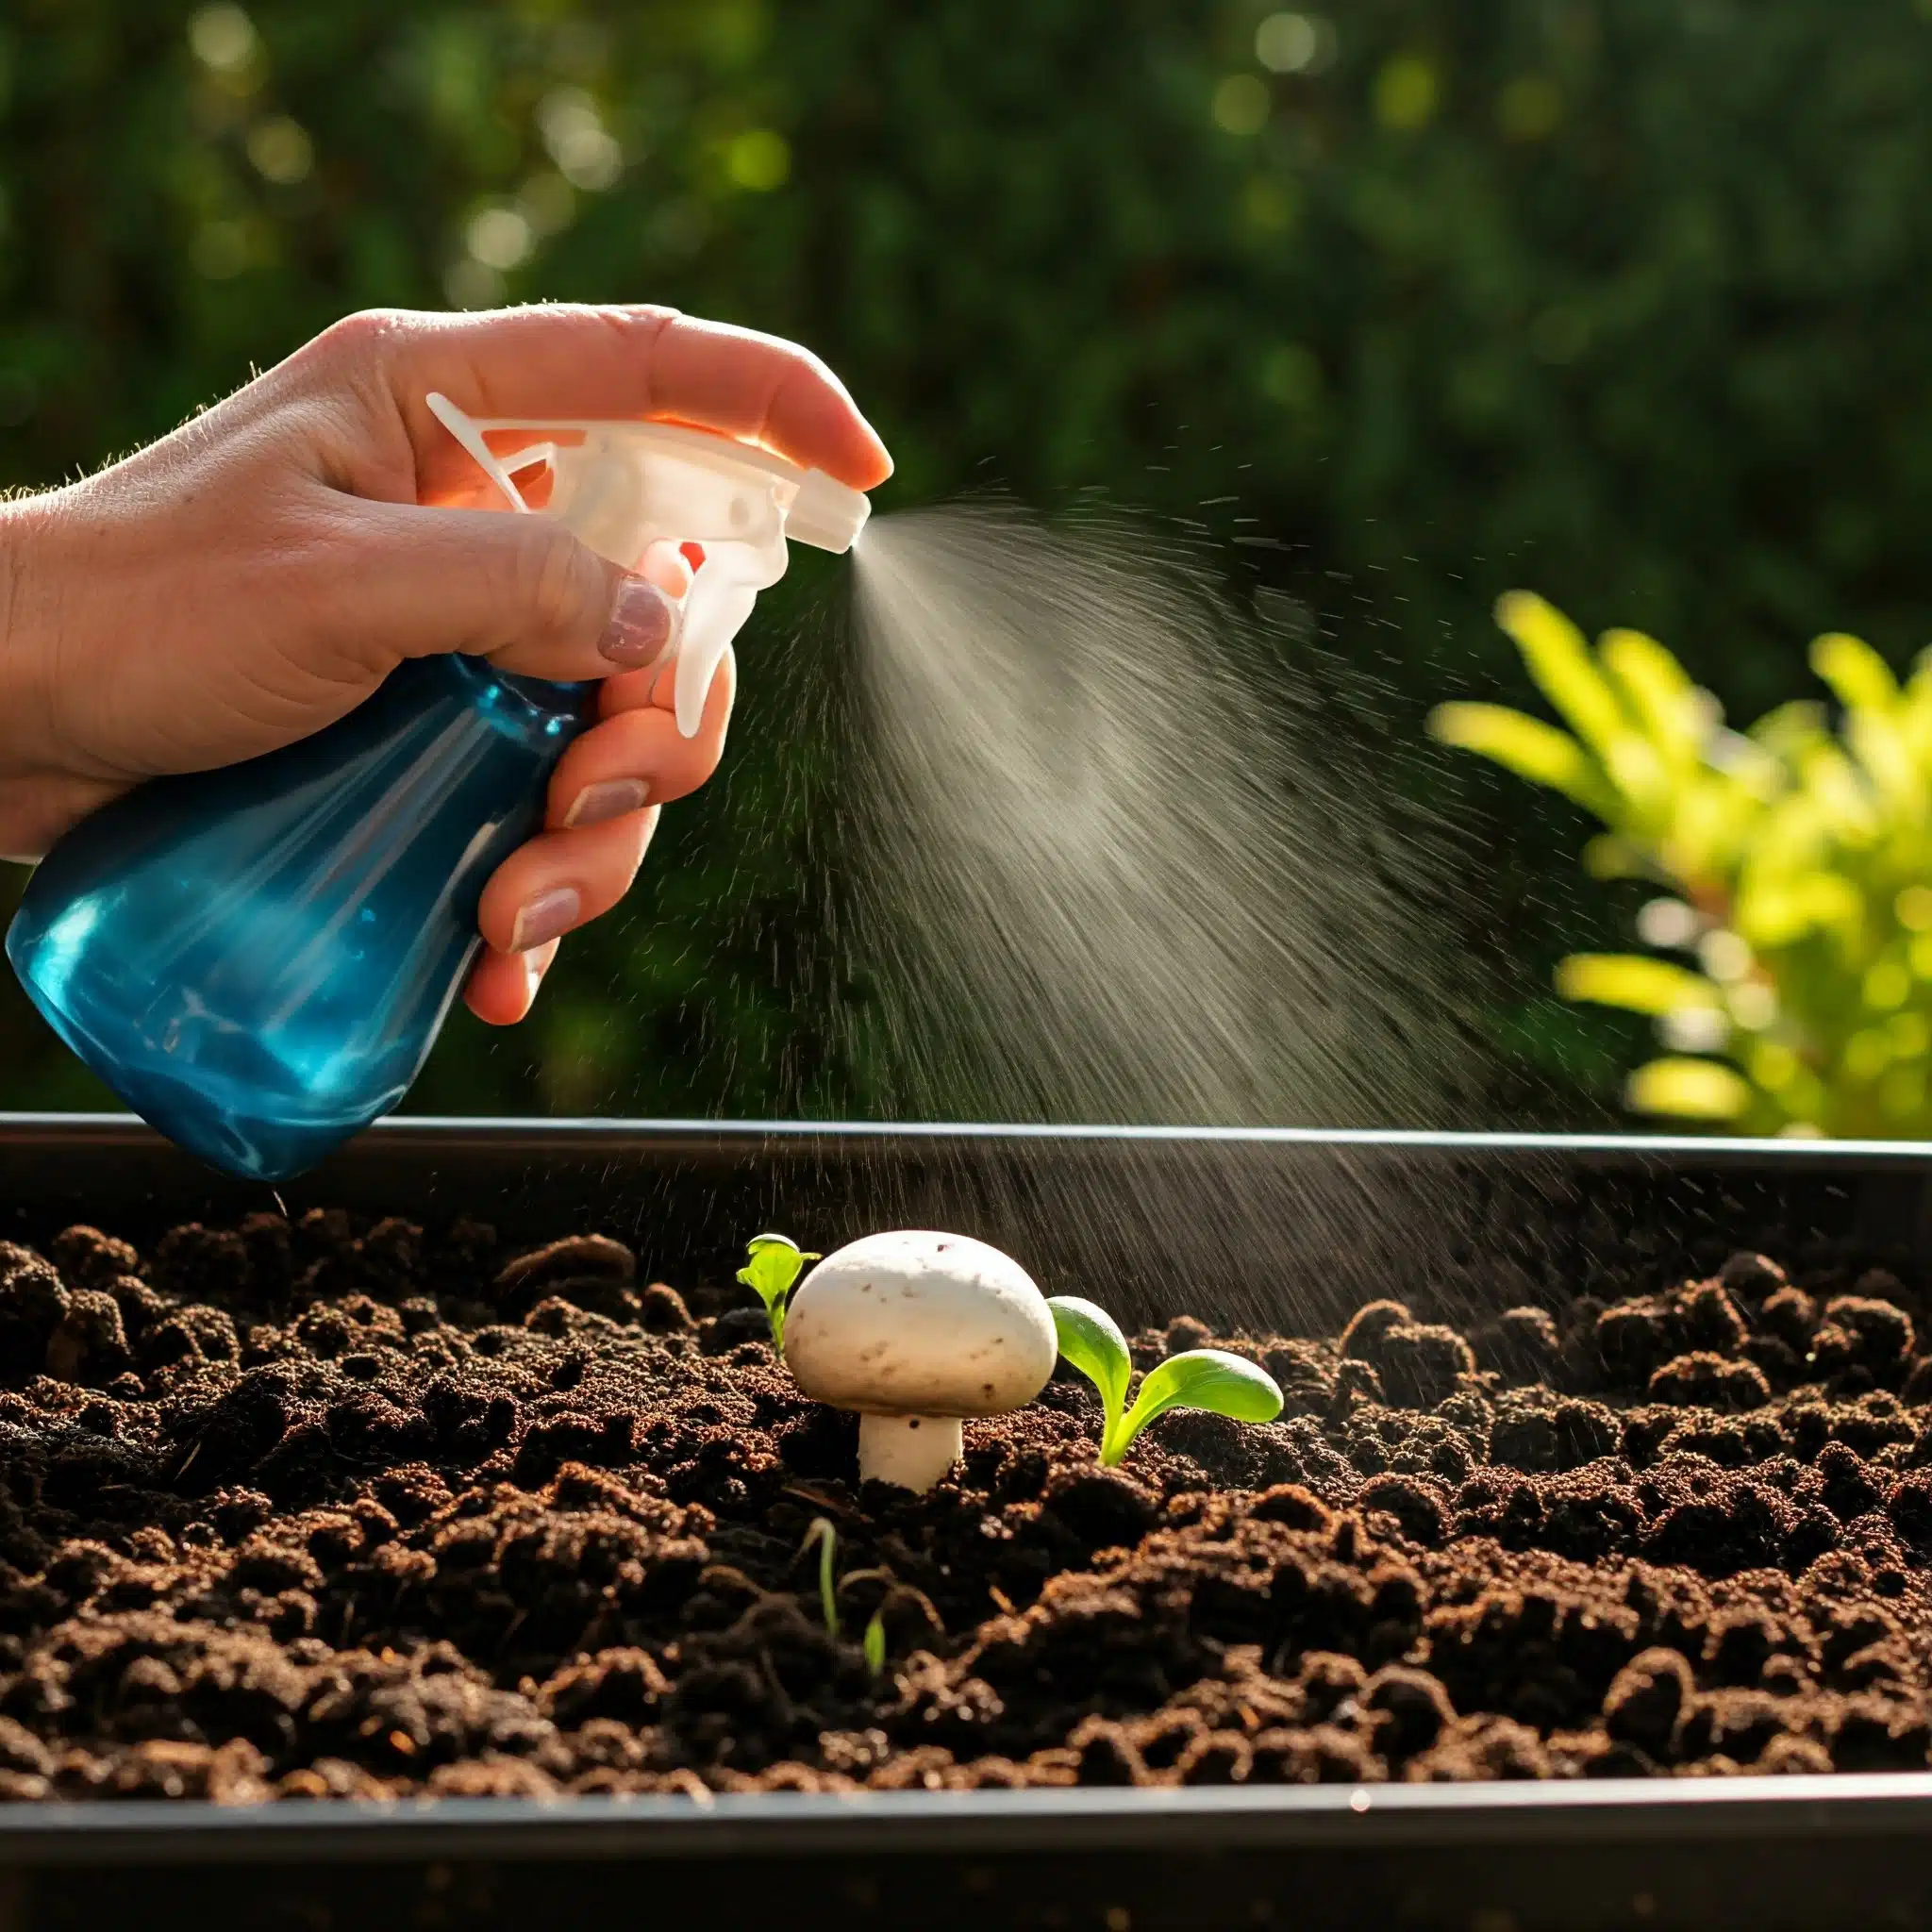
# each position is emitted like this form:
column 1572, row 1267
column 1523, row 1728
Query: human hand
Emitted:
column 254, row 576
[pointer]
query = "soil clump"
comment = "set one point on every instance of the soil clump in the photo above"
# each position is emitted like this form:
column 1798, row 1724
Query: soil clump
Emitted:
column 322, row 1508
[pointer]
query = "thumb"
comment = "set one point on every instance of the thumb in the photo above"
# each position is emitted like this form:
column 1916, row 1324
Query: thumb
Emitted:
column 521, row 590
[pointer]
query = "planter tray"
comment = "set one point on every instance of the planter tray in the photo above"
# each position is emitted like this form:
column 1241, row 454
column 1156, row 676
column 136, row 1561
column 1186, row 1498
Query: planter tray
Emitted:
column 1303, row 1224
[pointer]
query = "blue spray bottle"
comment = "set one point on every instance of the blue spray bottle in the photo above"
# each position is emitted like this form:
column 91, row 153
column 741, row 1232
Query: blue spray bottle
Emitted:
column 257, row 960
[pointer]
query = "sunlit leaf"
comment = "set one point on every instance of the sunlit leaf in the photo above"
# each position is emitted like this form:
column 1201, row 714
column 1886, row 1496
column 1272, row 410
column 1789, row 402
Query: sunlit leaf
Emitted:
column 1834, row 784
column 1608, row 856
column 1916, row 710
column 1775, row 910
column 1090, row 1339
column 1857, row 675
column 1790, row 837
column 1885, row 753
column 1639, row 771
column 1206, row 1378
column 777, row 1262
column 1750, row 767
column 1529, row 748
column 1790, row 729
column 1560, row 660
column 1634, row 983
column 1712, row 822
column 1688, row 1089
column 1659, row 693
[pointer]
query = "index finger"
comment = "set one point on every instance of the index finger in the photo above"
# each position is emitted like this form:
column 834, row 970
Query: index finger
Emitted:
column 572, row 359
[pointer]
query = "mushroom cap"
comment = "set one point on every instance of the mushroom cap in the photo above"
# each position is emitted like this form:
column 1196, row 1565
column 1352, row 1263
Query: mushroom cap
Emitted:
column 917, row 1323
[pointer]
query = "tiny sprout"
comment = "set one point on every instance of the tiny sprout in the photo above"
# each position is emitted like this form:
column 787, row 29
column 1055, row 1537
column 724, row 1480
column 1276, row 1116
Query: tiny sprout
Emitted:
column 873, row 1642
column 1209, row 1378
column 775, row 1265
column 821, row 1533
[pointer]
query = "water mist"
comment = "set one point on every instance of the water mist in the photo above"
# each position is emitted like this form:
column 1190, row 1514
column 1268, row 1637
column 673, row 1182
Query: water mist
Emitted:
column 1106, row 863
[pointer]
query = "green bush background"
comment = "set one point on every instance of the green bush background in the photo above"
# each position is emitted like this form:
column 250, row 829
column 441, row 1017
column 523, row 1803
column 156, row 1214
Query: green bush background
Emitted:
column 1627, row 301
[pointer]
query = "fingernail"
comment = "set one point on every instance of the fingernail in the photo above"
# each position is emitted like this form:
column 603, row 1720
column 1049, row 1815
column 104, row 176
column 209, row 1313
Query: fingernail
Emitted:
column 548, row 916
column 641, row 620
column 611, row 799
column 536, row 963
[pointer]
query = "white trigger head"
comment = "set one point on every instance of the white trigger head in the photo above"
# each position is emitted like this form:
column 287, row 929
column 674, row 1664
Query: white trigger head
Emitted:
column 620, row 487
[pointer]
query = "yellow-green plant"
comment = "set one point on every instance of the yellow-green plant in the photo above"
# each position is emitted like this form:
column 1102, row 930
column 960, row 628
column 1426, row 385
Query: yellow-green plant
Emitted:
column 1796, row 861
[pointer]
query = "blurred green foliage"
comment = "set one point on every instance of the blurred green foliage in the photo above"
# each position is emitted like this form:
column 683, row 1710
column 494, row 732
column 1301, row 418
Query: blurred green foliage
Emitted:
column 1797, row 863
column 1399, row 304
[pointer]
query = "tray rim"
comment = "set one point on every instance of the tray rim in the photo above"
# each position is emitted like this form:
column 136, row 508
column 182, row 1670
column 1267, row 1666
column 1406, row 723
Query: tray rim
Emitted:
column 1361, row 1818
column 601, row 1134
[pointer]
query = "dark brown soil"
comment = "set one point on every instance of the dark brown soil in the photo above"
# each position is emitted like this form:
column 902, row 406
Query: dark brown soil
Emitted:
column 312, row 1511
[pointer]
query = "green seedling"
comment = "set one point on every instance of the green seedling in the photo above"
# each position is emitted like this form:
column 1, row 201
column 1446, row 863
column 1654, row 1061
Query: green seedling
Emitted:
column 873, row 1640
column 821, row 1533
column 1209, row 1378
column 772, row 1272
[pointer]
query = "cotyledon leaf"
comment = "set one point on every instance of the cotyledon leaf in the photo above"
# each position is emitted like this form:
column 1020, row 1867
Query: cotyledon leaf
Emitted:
column 1090, row 1339
column 1209, row 1378
column 777, row 1262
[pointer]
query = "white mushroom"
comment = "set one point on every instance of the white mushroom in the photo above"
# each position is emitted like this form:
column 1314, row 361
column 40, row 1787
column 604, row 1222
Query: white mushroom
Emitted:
column 915, row 1330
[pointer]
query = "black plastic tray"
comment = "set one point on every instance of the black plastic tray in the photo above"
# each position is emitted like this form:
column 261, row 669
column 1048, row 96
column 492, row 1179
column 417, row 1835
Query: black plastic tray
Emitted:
column 1291, row 1225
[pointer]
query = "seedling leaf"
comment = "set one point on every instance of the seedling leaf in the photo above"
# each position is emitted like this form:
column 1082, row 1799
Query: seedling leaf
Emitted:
column 876, row 1642
column 1206, row 1378
column 777, row 1262
column 1092, row 1340
column 820, row 1532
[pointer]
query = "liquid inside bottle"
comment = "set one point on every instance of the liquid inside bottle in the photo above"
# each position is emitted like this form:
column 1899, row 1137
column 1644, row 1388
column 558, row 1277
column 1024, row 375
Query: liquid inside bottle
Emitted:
column 257, row 960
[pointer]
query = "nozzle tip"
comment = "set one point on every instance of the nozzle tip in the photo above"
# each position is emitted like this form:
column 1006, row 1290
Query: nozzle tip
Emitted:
column 826, row 514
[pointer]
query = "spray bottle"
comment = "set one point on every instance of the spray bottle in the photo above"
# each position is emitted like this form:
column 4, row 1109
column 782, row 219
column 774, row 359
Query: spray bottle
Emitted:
column 257, row 960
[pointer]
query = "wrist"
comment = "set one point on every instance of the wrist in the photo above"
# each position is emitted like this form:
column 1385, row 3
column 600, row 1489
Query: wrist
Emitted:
column 27, row 535
column 37, row 792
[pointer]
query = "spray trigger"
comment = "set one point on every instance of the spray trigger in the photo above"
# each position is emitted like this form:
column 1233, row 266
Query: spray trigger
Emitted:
column 727, row 505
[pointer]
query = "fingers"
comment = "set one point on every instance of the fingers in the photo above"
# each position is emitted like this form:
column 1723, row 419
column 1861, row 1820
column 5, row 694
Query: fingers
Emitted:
column 560, row 879
column 637, row 755
column 565, row 359
column 604, row 774
column 503, row 986
column 519, row 590
column 604, row 807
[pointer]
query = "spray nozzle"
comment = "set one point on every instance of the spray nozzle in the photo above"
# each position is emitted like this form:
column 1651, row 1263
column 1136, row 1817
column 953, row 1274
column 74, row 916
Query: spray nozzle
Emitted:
column 620, row 487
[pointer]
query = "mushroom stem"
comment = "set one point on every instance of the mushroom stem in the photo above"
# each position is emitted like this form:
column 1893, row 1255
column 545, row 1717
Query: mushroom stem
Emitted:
column 913, row 1451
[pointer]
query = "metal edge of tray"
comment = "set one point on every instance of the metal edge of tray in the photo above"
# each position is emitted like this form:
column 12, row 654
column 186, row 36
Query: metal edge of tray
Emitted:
column 1500, row 1816
column 416, row 1135
column 1061, row 1184
column 1354, row 1209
